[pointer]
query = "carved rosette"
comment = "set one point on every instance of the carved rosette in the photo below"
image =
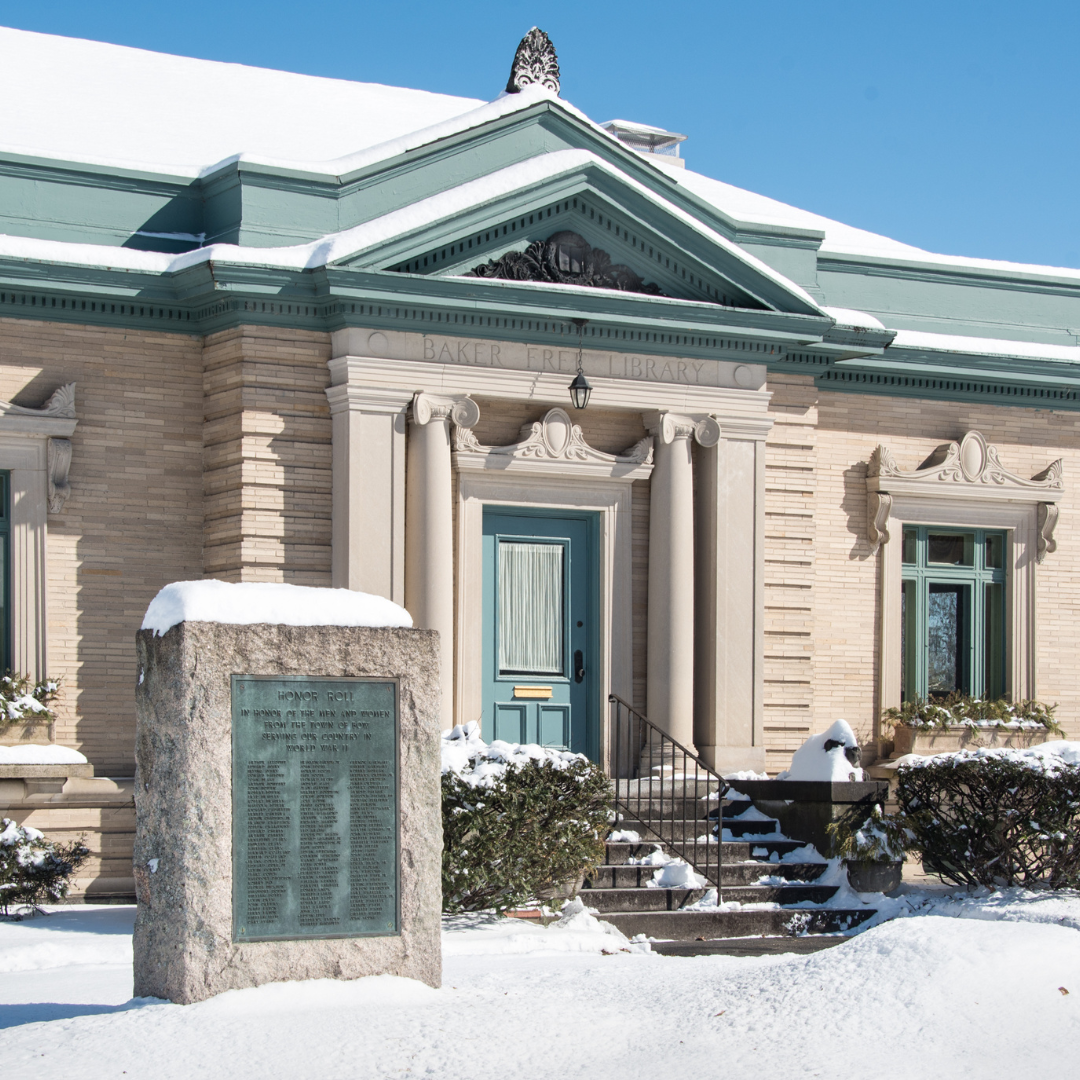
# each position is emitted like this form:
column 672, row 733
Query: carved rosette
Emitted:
column 535, row 64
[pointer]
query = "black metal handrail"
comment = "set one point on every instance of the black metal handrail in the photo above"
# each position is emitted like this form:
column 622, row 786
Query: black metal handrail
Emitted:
column 668, row 790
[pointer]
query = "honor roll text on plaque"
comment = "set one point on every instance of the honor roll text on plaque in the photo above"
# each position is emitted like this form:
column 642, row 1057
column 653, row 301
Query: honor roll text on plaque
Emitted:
column 315, row 808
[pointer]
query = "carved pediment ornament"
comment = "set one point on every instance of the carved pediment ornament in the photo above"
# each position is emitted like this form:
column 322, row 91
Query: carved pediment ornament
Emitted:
column 972, row 460
column 565, row 258
column 61, row 404
column 970, row 467
column 535, row 64
column 555, row 438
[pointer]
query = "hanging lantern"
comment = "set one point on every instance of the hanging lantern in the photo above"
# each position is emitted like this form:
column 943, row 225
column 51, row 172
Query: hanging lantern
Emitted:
column 580, row 389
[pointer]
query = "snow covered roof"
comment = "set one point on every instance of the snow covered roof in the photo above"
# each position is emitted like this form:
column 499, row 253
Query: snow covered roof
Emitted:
column 180, row 115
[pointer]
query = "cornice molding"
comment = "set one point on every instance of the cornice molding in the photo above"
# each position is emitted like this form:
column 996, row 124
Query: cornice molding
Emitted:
column 55, row 418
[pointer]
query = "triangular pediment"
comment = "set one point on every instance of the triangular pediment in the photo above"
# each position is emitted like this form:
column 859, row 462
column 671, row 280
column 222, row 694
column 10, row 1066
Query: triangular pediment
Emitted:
column 580, row 225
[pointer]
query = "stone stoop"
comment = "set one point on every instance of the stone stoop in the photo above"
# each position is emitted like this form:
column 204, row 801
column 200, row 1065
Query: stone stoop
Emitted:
column 620, row 892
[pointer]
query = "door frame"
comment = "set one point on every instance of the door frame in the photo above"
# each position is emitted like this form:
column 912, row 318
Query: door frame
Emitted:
column 611, row 499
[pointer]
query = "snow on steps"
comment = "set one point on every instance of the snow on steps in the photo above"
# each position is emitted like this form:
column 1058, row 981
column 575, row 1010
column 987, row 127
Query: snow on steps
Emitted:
column 624, row 892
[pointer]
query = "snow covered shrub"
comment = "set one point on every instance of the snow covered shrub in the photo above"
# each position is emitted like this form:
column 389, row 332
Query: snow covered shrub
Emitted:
column 34, row 870
column 517, row 820
column 960, row 710
column 996, row 817
column 19, row 700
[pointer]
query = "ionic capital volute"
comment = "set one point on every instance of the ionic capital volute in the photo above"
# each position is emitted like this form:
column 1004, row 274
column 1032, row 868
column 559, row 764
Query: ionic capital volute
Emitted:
column 669, row 426
column 462, row 411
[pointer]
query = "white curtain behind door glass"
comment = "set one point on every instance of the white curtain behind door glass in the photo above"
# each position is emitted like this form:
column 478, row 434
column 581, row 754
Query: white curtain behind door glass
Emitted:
column 531, row 608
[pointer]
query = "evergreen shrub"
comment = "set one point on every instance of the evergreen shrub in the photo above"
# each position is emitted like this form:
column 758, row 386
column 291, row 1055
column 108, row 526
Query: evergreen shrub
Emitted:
column 518, row 821
column 34, row 870
column 995, row 817
column 20, row 699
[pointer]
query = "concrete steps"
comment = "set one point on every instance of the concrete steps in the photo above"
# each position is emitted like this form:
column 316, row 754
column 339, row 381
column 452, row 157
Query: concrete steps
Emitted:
column 782, row 914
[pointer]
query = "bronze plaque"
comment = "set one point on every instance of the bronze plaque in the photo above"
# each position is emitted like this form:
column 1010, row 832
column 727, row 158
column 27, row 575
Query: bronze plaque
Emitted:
column 315, row 807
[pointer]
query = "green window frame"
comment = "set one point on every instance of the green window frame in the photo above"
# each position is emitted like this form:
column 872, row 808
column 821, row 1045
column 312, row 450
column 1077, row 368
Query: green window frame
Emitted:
column 953, row 632
column 5, row 568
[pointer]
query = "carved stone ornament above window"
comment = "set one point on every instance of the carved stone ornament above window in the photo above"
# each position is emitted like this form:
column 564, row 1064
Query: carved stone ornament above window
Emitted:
column 554, row 441
column 567, row 259
column 535, row 64
column 964, row 470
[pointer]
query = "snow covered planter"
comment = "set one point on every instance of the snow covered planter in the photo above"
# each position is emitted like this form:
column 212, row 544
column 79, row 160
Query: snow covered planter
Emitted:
column 25, row 707
column 34, row 870
column 872, row 848
column 959, row 721
column 996, row 817
column 518, row 821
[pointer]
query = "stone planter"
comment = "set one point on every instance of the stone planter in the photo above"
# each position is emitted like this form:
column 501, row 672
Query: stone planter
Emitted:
column 29, row 730
column 873, row 877
column 909, row 740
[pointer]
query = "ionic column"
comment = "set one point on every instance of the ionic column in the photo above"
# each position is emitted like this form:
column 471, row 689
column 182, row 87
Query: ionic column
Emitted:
column 670, row 642
column 429, row 537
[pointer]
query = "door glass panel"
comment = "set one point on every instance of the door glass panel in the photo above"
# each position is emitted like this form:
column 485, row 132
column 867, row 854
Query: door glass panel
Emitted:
column 951, row 549
column 530, row 608
column 945, row 640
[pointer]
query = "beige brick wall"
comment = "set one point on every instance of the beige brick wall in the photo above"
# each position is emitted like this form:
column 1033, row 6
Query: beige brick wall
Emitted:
column 267, row 455
column 134, row 519
column 833, row 435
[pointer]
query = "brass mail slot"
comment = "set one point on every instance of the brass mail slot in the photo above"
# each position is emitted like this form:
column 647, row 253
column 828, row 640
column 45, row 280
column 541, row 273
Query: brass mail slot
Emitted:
column 532, row 691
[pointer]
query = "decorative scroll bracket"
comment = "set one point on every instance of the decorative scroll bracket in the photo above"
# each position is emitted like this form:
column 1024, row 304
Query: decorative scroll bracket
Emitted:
column 59, row 462
column 1047, row 521
column 878, row 508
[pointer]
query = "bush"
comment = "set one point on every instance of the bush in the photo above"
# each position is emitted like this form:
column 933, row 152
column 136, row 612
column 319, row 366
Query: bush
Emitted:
column 995, row 817
column 19, row 700
column 518, row 821
column 960, row 710
column 34, row 870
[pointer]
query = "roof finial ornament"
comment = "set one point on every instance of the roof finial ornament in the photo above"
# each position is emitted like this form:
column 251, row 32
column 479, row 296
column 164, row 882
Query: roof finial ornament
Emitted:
column 535, row 62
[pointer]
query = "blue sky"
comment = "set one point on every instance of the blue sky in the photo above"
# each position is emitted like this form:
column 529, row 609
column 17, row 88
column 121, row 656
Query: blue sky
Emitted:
column 949, row 125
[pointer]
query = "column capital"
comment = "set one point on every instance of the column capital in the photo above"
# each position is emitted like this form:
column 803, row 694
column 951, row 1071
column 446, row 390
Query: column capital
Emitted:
column 669, row 426
column 460, row 410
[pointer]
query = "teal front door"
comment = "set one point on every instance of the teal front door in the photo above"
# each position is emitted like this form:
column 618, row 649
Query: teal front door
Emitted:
column 540, row 629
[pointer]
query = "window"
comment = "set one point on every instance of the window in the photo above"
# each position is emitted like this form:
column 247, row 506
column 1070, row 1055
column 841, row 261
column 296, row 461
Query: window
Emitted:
column 952, row 612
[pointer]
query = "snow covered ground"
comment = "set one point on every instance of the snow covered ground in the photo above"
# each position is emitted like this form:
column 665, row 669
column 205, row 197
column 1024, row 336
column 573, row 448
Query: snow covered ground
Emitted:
column 971, row 987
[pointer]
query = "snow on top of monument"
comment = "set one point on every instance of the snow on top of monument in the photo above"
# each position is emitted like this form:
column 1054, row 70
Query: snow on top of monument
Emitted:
column 40, row 754
column 78, row 99
column 813, row 762
column 248, row 602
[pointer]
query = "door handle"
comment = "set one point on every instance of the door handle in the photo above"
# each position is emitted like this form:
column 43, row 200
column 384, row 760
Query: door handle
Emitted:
column 579, row 666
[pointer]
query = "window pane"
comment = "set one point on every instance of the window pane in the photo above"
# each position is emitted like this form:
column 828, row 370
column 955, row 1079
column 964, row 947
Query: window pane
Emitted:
column 910, row 537
column 951, row 549
column 946, row 640
column 530, row 608
column 995, row 552
column 994, row 642
column 908, row 642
